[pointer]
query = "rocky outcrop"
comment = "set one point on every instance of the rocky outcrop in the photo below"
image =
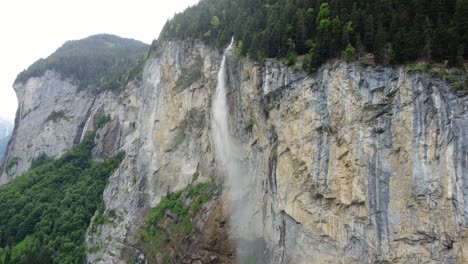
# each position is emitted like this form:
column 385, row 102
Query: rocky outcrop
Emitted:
column 48, row 120
column 370, row 162
column 349, row 165
column 57, row 96
column 167, row 143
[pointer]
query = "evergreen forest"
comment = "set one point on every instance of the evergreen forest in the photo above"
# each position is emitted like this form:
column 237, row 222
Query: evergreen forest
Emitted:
column 44, row 213
column 100, row 62
column 393, row 31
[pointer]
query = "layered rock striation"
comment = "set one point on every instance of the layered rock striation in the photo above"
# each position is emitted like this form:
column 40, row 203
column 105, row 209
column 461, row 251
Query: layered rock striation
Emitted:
column 349, row 165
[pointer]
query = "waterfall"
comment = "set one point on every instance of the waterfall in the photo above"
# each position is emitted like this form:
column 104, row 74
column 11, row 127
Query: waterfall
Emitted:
column 222, row 138
column 226, row 149
column 86, row 126
column 236, row 182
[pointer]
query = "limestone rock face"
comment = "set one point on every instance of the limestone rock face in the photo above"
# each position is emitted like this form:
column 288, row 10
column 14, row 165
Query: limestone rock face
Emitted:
column 166, row 140
column 48, row 120
column 349, row 165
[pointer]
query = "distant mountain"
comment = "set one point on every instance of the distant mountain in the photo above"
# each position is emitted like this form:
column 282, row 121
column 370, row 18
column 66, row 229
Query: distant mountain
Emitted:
column 4, row 144
column 6, row 128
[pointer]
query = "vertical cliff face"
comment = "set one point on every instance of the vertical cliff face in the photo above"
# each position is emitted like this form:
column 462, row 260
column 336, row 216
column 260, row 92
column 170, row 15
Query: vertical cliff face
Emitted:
column 48, row 120
column 57, row 96
column 167, row 145
column 370, row 162
column 350, row 165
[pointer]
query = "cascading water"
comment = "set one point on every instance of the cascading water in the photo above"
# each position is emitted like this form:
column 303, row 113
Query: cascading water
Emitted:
column 87, row 123
column 222, row 138
column 236, row 176
column 226, row 149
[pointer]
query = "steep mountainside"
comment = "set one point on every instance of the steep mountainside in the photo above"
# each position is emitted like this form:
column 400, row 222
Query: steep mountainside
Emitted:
column 99, row 62
column 349, row 165
column 54, row 98
column 44, row 213
column 305, row 141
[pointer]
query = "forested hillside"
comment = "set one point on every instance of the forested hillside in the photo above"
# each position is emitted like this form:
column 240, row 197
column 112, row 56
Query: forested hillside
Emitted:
column 45, row 212
column 99, row 62
column 395, row 31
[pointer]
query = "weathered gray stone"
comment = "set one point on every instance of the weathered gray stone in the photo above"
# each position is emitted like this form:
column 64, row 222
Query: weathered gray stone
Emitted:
column 47, row 121
column 350, row 165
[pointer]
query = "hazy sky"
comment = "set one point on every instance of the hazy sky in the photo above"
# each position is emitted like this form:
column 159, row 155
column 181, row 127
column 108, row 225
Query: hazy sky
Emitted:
column 32, row 29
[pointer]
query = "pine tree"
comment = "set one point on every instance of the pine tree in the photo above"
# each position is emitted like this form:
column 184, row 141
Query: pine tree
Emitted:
column 461, row 23
column 379, row 44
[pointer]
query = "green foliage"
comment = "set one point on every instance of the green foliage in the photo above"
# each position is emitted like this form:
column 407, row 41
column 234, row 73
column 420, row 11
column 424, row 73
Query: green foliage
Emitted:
column 306, row 62
column 135, row 73
column 102, row 121
column 55, row 116
column 456, row 77
column 44, row 213
column 461, row 20
column 40, row 160
column 190, row 73
column 324, row 13
column 11, row 164
column 292, row 58
column 172, row 217
column 238, row 50
column 432, row 70
column 100, row 218
column 100, row 62
column 215, row 22
column 195, row 190
column 398, row 31
column 348, row 53
column 461, row 86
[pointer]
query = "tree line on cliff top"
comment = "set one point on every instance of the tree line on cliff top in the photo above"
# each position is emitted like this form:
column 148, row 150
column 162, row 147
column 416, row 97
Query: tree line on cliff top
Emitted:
column 394, row 31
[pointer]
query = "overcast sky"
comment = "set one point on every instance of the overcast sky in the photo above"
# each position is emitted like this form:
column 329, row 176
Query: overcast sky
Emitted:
column 32, row 29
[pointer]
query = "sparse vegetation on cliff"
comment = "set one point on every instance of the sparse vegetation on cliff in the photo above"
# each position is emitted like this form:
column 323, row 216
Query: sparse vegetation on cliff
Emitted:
column 171, row 220
column 40, row 160
column 11, row 164
column 56, row 116
column 190, row 73
column 456, row 77
column 102, row 121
